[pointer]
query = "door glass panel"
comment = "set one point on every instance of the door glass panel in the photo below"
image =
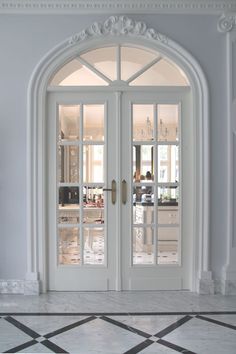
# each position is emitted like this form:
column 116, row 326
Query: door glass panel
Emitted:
column 93, row 163
column 68, row 163
column 134, row 59
column 94, row 245
column 143, row 245
column 69, row 122
column 168, row 163
column 168, row 195
column 143, row 163
column 168, row 215
column 93, row 122
column 93, row 209
column 168, row 238
column 69, row 245
column 163, row 73
column 168, row 128
column 143, row 122
column 104, row 60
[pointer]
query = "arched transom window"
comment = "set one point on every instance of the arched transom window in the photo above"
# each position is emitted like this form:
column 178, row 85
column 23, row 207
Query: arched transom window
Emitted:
column 128, row 65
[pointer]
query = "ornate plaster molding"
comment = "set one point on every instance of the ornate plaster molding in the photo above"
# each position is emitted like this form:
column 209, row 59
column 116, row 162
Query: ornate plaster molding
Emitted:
column 117, row 6
column 118, row 26
column 227, row 22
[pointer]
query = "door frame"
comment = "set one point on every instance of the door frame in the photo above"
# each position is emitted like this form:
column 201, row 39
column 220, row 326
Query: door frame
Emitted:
column 116, row 29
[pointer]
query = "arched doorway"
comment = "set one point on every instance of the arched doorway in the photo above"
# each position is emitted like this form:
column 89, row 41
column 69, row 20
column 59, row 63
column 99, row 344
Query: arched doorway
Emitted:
column 148, row 249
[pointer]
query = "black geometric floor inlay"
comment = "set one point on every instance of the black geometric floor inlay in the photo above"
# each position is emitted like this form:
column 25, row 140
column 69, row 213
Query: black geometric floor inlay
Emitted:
column 146, row 339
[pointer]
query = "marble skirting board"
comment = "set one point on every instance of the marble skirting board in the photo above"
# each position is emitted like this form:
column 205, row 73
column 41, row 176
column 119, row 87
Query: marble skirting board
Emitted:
column 26, row 287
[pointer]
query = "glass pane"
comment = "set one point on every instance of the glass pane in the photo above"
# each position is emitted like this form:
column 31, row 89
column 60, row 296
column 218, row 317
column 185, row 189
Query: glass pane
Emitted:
column 93, row 163
column 68, row 164
column 93, row 122
column 143, row 194
column 143, row 163
column 168, row 238
column 168, row 215
column 68, row 196
column 76, row 74
column 69, row 117
column 163, row 73
column 104, row 60
column 69, row 214
column 168, row 195
column 93, row 210
column 143, row 245
column 168, row 129
column 134, row 59
column 143, row 213
column 143, row 122
column 69, row 246
column 94, row 245
column 168, row 163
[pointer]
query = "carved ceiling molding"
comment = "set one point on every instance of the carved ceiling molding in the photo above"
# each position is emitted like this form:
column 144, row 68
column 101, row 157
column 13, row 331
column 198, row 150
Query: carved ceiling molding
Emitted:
column 118, row 26
column 227, row 22
column 117, row 6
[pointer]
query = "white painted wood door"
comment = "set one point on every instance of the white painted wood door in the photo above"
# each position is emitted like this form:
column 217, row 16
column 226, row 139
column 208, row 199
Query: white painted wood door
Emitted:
column 143, row 241
column 157, row 166
column 82, row 234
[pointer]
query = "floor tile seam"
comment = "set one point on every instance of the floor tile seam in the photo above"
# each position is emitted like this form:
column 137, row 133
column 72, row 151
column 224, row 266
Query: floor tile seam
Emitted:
column 173, row 326
column 21, row 346
column 153, row 313
column 126, row 327
column 216, row 322
column 69, row 327
column 23, row 328
column 174, row 346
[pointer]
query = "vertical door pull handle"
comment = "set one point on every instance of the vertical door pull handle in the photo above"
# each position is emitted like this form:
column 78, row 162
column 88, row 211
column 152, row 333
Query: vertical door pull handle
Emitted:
column 112, row 190
column 124, row 191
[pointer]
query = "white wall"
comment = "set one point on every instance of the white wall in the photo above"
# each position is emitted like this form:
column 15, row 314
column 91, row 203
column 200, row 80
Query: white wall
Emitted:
column 24, row 39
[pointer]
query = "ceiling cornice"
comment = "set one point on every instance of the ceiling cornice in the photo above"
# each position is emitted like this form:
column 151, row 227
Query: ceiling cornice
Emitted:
column 116, row 6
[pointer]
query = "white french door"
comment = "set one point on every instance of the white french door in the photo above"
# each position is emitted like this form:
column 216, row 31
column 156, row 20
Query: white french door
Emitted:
column 119, row 191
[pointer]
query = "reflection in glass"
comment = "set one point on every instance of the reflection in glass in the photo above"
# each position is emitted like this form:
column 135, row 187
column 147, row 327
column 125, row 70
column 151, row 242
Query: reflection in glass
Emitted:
column 168, row 215
column 93, row 209
column 143, row 194
column 93, row 164
column 94, row 245
column 68, row 196
column 143, row 245
column 68, row 164
column 168, row 245
column 143, row 163
column 69, row 117
column 69, row 246
column 168, row 163
column 168, row 129
column 104, row 60
column 143, row 214
column 143, row 126
column 69, row 214
column 168, row 195
column 93, row 122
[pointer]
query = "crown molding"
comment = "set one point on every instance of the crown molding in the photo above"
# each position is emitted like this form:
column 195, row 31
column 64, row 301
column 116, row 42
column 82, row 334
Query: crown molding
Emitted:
column 227, row 22
column 116, row 6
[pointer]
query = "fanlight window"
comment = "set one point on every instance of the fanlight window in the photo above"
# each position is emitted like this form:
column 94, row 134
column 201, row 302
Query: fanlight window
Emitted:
column 120, row 64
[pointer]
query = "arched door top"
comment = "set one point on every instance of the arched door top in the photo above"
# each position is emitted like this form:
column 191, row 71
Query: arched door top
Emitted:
column 116, row 30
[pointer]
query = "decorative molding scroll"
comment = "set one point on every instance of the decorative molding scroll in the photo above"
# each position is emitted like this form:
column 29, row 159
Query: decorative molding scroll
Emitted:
column 117, row 6
column 116, row 26
column 226, row 22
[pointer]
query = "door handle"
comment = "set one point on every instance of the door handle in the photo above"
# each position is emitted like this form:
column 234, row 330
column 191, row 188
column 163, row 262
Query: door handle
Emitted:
column 112, row 190
column 124, row 191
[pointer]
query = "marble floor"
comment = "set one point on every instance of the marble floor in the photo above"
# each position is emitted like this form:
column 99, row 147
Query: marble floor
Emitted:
column 118, row 322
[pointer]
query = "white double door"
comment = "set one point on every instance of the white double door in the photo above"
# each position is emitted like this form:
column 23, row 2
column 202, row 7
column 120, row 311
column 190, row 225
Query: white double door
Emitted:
column 119, row 191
